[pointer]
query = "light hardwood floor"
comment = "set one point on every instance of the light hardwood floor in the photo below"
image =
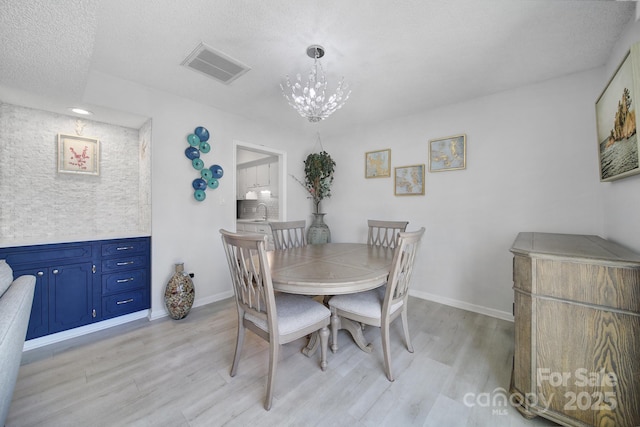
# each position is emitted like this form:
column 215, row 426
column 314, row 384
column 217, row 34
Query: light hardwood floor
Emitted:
column 176, row 373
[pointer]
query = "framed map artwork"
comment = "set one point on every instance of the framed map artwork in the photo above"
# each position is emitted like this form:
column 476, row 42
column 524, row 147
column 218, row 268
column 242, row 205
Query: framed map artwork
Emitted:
column 447, row 154
column 409, row 180
column 79, row 155
column 377, row 164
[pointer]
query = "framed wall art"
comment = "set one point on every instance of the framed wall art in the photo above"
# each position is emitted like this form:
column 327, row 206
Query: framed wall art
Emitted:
column 409, row 180
column 78, row 155
column 616, row 120
column 448, row 154
column 377, row 164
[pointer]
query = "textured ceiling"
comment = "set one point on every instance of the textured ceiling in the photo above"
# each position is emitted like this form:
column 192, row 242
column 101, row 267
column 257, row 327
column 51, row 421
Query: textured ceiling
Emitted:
column 399, row 57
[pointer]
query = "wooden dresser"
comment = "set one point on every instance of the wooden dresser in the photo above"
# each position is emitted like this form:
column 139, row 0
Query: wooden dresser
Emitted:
column 577, row 330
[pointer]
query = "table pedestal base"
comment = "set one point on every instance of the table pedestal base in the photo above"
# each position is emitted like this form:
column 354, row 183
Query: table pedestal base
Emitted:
column 354, row 328
column 313, row 344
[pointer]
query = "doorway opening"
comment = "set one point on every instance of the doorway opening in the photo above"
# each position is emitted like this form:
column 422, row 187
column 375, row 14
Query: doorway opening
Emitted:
column 259, row 174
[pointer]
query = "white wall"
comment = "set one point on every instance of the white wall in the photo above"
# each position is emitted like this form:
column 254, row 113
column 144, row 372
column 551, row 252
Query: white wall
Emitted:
column 531, row 166
column 621, row 199
column 184, row 230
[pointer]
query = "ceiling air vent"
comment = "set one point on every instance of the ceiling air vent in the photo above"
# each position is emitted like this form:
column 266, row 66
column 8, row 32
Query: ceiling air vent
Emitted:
column 215, row 64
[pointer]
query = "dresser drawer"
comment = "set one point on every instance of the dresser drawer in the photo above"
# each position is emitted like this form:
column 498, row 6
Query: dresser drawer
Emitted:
column 124, row 247
column 125, row 263
column 125, row 302
column 46, row 254
column 123, row 281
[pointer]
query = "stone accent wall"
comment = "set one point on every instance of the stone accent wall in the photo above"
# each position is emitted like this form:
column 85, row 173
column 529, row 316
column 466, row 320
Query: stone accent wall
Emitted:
column 144, row 185
column 39, row 205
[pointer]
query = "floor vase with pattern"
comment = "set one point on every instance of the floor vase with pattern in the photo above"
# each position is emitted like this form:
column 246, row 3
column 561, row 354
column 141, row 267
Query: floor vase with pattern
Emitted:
column 179, row 294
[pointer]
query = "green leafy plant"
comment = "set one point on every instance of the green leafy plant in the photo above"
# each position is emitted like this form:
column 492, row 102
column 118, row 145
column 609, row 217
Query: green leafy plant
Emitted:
column 318, row 177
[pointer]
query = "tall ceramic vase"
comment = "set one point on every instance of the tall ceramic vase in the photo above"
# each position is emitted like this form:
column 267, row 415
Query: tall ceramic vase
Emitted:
column 318, row 232
column 179, row 293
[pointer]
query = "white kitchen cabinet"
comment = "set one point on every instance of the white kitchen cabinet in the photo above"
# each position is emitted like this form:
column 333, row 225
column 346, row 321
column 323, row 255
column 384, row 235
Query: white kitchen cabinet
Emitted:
column 257, row 228
column 262, row 175
column 254, row 178
column 241, row 180
column 273, row 179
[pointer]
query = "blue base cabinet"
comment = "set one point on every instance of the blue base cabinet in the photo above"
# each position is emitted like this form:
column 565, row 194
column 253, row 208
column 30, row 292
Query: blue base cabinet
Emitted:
column 124, row 280
column 71, row 299
column 83, row 282
column 39, row 320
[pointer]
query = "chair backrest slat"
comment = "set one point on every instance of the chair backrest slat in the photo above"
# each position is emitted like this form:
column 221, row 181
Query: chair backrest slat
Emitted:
column 385, row 233
column 288, row 234
column 250, row 274
column 402, row 267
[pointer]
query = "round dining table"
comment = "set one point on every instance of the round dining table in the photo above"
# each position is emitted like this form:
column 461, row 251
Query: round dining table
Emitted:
column 331, row 269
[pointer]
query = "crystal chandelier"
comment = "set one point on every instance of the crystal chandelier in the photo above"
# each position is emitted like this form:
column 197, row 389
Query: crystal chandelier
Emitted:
column 309, row 100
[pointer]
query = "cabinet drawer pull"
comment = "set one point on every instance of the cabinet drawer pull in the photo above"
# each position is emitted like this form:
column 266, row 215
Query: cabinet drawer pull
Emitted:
column 127, row 301
column 56, row 271
column 40, row 273
column 124, row 263
column 124, row 248
column 125, row 280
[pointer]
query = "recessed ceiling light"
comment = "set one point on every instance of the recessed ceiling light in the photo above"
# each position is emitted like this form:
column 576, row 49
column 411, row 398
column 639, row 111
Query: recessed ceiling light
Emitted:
column 81, row 111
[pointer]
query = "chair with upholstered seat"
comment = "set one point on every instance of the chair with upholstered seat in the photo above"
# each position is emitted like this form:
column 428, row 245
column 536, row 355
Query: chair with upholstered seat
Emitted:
column 288, row 234
column 384, row 233
column 277, row 318
column 380, row 306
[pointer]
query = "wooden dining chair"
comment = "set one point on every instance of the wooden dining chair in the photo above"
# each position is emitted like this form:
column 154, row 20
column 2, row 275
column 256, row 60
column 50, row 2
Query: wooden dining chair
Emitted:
column 288, row 234
column 277, row 318
column 384, row 233
column 381, row 306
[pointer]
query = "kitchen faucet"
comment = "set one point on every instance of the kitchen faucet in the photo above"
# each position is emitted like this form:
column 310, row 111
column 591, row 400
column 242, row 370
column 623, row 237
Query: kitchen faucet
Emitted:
column 266, row 210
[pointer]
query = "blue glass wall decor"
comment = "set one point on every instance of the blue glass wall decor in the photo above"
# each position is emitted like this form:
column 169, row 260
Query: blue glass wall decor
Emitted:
column 198, row 144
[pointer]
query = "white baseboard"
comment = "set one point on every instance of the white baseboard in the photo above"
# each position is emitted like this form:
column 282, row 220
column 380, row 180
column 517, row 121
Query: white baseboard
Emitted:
column 504, row 315
column 83, row 330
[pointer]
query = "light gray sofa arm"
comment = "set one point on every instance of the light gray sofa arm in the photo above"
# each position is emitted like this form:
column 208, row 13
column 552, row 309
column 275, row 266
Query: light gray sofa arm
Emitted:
column 15, row 309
